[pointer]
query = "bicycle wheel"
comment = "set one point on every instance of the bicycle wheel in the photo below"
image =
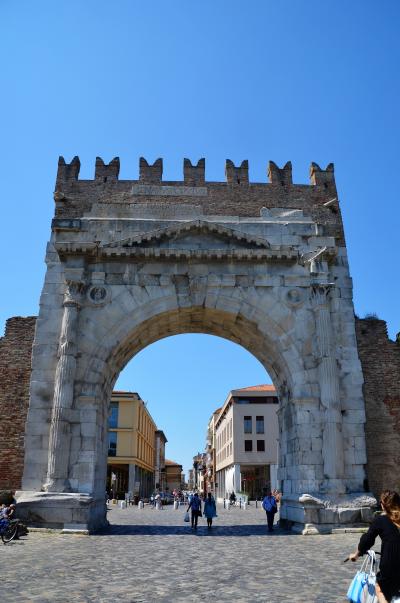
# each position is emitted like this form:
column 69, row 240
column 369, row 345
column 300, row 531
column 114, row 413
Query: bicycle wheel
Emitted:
column 9, row 533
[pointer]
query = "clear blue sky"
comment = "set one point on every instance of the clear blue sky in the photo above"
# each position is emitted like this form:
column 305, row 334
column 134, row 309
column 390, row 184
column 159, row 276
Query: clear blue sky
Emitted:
column 304, row 80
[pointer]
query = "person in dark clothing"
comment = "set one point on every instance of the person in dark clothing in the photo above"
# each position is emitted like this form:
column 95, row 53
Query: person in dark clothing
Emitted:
column 387, row 527
column 270, row 507
column 195, row 505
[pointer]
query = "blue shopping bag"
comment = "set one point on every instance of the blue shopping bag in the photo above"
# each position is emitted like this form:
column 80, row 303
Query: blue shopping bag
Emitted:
column 362, row 587
column 356, row 587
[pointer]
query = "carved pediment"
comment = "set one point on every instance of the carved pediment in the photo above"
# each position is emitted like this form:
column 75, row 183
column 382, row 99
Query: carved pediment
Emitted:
column 197, row 234
column 196, row 239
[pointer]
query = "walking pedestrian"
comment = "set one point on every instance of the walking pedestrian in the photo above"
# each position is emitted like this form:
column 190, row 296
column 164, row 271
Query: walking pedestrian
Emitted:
column 387, row 527
column 210, row 509
column 195, row 505
column 270, row 507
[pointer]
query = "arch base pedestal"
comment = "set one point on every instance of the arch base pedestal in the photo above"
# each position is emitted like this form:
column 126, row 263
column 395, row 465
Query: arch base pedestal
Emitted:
column 71, row 512
column 315, row 514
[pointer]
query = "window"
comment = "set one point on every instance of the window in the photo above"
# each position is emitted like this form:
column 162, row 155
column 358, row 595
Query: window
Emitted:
column 260, row 445
column 248, row 446
column 113, row 415
column 112, row 443
column 247, row 425
column 259, row 424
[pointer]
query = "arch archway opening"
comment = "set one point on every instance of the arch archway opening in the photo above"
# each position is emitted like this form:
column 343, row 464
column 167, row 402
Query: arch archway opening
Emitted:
column 182, row 381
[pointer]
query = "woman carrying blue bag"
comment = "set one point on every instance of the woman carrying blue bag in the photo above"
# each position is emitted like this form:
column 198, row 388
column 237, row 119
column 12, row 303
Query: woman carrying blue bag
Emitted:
column 210, row 509
column 387, row 527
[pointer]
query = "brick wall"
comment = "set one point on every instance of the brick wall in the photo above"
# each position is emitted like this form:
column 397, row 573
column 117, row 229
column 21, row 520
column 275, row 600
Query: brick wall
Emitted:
column 380, row 360
column 15, row 372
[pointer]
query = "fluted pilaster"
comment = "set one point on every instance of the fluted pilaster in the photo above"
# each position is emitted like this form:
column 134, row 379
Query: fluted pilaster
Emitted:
column 59, row 443
column 329, row 385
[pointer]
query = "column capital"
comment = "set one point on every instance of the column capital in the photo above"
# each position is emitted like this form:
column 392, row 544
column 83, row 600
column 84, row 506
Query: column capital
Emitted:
column 73, row 293
column 320, row 294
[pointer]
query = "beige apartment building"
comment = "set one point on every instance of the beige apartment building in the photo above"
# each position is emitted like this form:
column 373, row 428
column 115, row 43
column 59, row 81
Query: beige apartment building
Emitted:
column 131, row 446
column 246, row 441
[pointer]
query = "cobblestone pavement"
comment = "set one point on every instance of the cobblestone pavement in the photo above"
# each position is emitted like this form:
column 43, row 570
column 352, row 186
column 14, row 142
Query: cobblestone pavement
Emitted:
column 148, row 555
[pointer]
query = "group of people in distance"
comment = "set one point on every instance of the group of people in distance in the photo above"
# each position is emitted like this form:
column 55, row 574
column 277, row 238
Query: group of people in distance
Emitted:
column 270, row 505
column 209, row 509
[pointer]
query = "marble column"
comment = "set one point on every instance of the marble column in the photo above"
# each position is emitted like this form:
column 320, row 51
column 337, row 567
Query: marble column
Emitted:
column 60, row 436
column 329, row 386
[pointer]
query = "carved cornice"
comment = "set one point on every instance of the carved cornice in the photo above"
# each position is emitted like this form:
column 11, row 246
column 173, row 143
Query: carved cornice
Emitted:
column 281, row 253
column 152, row 245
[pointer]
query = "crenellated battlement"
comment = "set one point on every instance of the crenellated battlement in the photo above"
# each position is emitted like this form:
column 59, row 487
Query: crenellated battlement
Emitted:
column 278, row 175
column 150, row 173
column 237, row 175
column 106, row 194
column 193, row 174
column 67, row 171
column 106, row 172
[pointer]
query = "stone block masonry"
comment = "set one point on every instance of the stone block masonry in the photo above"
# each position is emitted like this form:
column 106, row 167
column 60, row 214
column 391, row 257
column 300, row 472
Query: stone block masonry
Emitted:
column 380, row 361
column 15, row 373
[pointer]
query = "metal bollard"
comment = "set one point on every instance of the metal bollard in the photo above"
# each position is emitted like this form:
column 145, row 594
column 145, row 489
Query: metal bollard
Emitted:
column 240, row 502
column 224, row 504
column 245, row 505
column 141, row 504
column 256, row 503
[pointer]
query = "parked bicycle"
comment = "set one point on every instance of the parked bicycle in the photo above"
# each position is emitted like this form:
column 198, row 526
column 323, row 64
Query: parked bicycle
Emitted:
column 8, row 529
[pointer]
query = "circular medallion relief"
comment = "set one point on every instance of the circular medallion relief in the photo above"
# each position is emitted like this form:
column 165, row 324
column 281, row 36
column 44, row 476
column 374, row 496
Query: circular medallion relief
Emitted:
column 98, row 294
column 294, row 297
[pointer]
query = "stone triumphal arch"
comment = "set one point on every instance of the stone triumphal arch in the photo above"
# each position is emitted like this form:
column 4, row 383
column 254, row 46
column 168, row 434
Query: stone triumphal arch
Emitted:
column 264, row 265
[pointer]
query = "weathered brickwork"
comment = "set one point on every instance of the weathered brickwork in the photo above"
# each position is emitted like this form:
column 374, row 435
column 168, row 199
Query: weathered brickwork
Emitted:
column 237, row 196
column 380, row 360
column 15, row 372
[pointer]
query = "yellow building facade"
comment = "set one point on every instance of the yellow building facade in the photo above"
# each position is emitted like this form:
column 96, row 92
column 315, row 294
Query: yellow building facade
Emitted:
column 131, row 446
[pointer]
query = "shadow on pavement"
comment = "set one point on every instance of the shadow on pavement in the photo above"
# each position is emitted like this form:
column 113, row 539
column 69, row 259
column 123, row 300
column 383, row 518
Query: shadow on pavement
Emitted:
column 215, row 531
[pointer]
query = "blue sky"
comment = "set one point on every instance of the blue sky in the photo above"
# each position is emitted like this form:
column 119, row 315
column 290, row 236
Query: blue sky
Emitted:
column 282, row 80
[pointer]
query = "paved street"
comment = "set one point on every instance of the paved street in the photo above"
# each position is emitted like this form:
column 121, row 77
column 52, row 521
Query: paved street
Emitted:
column 150, row 555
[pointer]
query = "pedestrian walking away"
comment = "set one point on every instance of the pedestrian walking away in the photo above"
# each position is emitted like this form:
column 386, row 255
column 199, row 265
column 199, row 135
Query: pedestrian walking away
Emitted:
column 387, row 527
column 270, row 507
column 195, row 506
column 210, row 509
